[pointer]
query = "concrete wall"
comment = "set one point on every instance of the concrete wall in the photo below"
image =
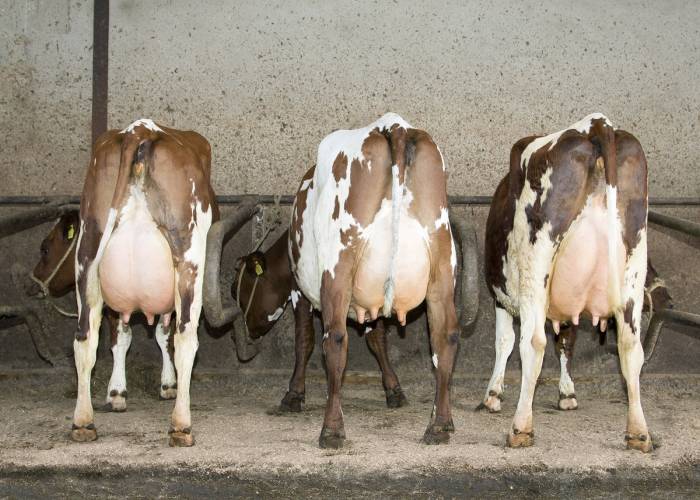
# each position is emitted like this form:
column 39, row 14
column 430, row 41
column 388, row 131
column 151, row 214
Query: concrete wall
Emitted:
column 265, row 81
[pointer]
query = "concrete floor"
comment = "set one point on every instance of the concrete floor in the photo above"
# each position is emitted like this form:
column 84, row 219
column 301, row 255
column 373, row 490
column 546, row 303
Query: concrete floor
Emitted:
column 244, row 447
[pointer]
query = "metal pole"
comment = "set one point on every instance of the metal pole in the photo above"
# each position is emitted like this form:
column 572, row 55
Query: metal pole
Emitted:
column 682, row 225
column 100, row 59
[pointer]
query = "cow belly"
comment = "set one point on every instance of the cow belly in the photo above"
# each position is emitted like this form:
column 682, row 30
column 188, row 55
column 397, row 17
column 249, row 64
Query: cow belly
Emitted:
column 136, row 271
column 412, row 266
column 580, row 276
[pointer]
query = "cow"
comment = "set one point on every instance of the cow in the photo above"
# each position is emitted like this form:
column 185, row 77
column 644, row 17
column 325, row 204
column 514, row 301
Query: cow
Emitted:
column 54, row 274
column 656, row 297
column 370, row 236
column 565, row 237
column 263, row 286
column 146, row 207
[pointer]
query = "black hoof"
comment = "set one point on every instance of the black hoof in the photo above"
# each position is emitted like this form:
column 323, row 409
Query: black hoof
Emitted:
column 167, row 392
column 395, row 398
column 292, row 402
column 110, row 408
column 437, row 434
column 183, row 438
column 331, row 439
column 449, row 426
column 83, row 434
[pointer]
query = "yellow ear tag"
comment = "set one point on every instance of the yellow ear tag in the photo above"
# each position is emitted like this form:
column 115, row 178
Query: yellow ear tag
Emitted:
column 71, row 232
column 258, row 269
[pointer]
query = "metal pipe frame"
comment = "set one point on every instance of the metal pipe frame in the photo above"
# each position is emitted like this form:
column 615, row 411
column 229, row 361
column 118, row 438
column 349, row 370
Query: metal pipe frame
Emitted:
column 684, row 226
column 216, row 313
column 268, row 199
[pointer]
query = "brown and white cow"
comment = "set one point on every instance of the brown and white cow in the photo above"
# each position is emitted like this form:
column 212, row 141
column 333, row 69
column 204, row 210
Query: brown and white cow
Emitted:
column 55, row 275
column 145, row 211
column 263, row 286
column 370, row 236
column 565, row 237
column 656, row 297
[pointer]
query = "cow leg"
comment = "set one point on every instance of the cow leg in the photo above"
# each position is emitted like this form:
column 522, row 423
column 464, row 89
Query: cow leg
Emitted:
column 335, row 301
column 89, row 296
column 532, row 344
column 121, row 340
column 376, row 341
column 565, row 350
column 444, row 341
column 188, row 301
column 303, row 347
column 168, row 380
column 505, row 338
column 631, row 360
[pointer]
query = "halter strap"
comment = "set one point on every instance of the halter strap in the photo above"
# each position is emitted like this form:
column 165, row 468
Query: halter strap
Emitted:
column 44, row 285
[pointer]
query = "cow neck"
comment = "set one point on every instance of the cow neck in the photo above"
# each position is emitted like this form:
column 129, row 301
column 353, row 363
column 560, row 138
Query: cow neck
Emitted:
column 255, row 284
column 44, row 285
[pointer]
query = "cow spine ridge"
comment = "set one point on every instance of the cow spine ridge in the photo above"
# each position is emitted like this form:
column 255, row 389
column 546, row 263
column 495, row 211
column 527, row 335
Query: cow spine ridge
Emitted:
column 132, row 165
column 397, row 142
column 604, row 133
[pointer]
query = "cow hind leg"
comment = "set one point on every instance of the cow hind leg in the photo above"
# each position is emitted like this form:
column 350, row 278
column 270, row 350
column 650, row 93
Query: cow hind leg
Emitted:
column 121, row 341
column 168, row 379
column 377, row 343
column 444, row 342
column 295, row 397
column 565, row 351
column 532, row 344
column 188, row 301
column 505, row 338
column 85, row 347
column 335, row 298
column 631, row 360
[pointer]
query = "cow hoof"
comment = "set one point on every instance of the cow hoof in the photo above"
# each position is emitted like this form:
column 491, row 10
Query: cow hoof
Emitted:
column 438, row 434
column 567, row 402
column 113, row 407
column 519, row 439
column 168, row 392
column 395, row 398
column 641, row 442
column 292, row 402
column 183, row 438
column 492, row 403
column 331, row 439
column 83, row 434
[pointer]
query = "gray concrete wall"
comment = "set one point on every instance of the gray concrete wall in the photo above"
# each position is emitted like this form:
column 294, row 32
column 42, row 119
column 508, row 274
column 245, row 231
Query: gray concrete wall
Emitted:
column 265, row 81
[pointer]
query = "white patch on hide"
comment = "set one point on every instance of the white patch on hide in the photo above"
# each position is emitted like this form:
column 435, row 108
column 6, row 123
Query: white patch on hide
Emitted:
column 583, row 126
column 117, row 381
column 144, row 122
column 276, row 315
column 295, row 296
column 167, row 374
column 566, row 385
column 444, row 219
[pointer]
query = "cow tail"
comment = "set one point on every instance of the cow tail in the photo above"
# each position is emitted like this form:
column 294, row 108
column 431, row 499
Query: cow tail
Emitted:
column 603, row 133
column 132, row 167
column 397, row 142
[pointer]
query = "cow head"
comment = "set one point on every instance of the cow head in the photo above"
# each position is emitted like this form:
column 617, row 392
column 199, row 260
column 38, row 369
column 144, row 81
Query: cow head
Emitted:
column 261, row 287
column 55, row 271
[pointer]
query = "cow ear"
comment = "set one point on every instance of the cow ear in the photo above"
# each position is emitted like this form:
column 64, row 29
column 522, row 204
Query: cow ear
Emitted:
column 255, row 264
